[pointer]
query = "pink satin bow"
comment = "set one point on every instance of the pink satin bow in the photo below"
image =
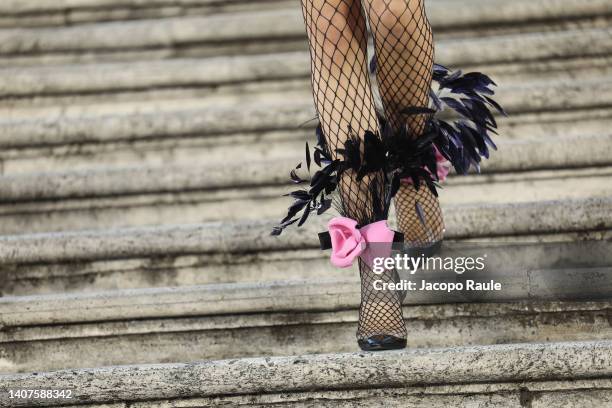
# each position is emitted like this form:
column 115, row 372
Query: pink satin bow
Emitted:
column 349, row 242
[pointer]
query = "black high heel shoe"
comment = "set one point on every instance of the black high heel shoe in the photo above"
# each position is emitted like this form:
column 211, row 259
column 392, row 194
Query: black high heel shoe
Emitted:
column 381, row 342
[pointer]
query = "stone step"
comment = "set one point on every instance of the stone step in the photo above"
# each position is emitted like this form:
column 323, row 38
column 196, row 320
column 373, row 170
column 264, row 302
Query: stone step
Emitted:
column 43, row 13
column 574, row 167
column 529, row 271
column 177, row 339
column 273, row 31
column 22, row 14
column 463, row 221
column 106, row 182
column 257, row 113
column 19, row 82
column 25, row 7
column 262, row 133
column 167, row 32
column 254, row 202
column 506, row 375
column 236, row 89
column 244, row 251
column 272, row 318
column 200, row 268
column 270, row 166
column 183, row 290
column 242, row 320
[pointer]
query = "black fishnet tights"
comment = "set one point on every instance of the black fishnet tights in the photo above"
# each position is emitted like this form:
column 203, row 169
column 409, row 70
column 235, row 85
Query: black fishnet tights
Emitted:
column 341, row 84
column 343, row 97
column 419, row 233
column 405, row 55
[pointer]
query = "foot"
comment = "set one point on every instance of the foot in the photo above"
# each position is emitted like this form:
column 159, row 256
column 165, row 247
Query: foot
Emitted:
column 381, row 342
column 381, row 326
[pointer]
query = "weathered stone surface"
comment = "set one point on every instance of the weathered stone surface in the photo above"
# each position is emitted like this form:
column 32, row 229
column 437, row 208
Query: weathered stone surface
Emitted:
column 450, row 13
column 519, row 155
column 138, row 75
column 114, row 77
column 573, row 398
column 466, row 365
column 523, row 10
column 506, row 395
column 72, row 13
column 129, row 209
column 201, row 119
column 570, row 270
column 510, row 219
column 42, row 6
column 173, row 339
column 133, row 126
column 510, row 48
column 186, row 301
column 157, row 33
column 538, row 64
column 208, row 35
column 280, row 24
column 463, row 222
column 163, row 270
column 584, row 136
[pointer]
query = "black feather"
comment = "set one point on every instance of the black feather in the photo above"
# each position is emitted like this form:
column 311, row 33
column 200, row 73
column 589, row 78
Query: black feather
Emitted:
column 294, row 209
column 308, row 160
column 304, row 215
column 395, row 154
column 320, row 137
column 324, row 206
column 420, row 213
column 373, row 64
column 295, row 178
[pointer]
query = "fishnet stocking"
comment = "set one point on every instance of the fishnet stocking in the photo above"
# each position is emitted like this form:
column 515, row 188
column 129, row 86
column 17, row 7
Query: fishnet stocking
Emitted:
column 419, row 233
column 380, row 312
column 405, row 54
column 343, row 97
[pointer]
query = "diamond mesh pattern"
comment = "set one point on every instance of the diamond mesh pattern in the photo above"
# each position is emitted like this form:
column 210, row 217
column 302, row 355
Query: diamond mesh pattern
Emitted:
column 403, row 41
column 405, row 55
column 380, row 312
column 419, row 233
column 341, row 85
column 343, row 97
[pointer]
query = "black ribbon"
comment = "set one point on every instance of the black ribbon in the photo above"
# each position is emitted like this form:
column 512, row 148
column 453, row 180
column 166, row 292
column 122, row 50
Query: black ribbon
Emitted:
column 326, row 243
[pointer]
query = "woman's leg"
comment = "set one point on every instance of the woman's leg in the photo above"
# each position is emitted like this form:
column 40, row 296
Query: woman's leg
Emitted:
column 405, row 54
column 343, row 98
column 341, row 85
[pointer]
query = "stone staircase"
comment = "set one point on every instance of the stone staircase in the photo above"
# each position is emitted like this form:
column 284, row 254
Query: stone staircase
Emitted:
column 144, row 147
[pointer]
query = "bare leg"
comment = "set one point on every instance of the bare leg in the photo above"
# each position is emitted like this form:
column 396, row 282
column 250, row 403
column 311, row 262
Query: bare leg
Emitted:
column 405, row 54
column 343, row 98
